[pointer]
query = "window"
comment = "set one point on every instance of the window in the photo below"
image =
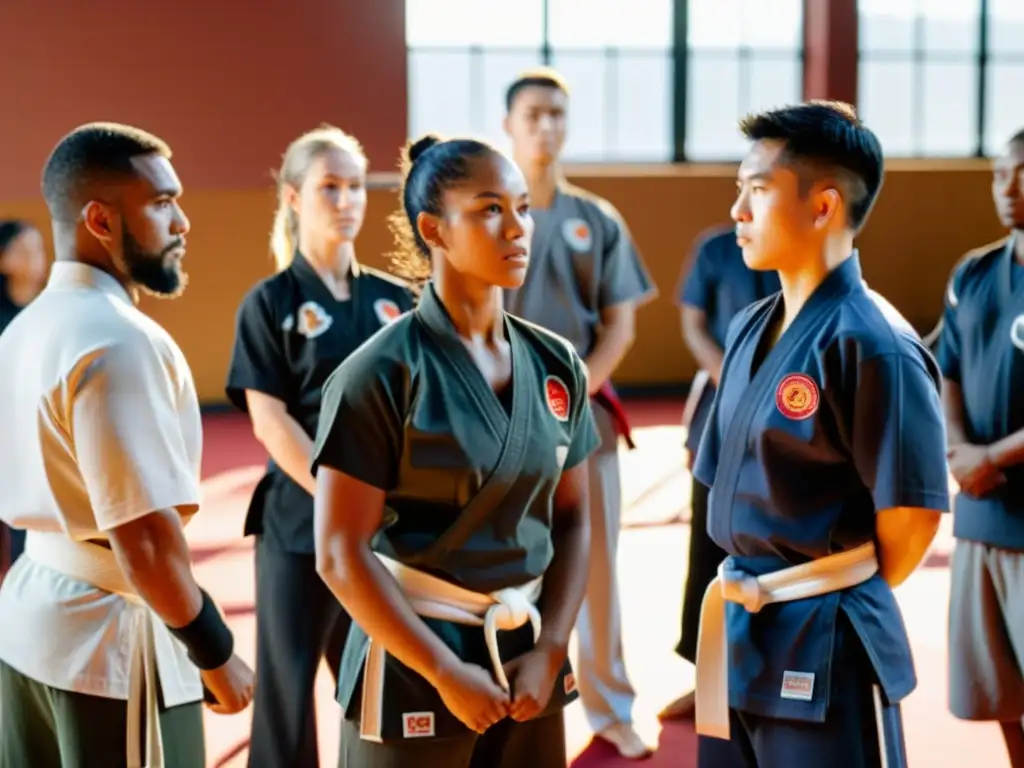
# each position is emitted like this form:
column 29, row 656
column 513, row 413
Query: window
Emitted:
column 918, row 75
column 1004, row 73
column 616, row 55
column 743, row 56
column 458, row 71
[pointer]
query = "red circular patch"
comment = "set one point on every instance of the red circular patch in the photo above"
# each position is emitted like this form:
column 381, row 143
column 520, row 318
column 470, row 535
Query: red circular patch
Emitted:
column 557, row 395
column 797, row 396
column 387, row 310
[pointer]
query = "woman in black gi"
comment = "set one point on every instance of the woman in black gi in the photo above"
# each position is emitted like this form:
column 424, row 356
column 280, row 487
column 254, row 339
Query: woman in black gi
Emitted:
column 452, row 489
column 293, row 329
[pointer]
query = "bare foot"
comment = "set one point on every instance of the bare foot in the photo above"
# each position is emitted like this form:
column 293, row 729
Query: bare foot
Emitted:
column 626, row 741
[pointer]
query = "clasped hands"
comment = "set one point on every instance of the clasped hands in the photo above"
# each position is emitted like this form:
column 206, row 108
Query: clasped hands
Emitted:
column 975, row 469
column 471, row 694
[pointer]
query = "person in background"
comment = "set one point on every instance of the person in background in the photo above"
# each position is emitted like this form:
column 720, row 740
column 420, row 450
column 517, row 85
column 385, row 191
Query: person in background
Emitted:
column 23, row 266
column 294, row 328
column 586, row 281
column 981, row 352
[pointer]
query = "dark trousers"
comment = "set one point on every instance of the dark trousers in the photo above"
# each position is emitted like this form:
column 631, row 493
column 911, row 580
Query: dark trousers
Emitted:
column 12, row 544
column 42, row 727
column 536, row 743
column 298, row 623
column 860, row 730
column 705, row 557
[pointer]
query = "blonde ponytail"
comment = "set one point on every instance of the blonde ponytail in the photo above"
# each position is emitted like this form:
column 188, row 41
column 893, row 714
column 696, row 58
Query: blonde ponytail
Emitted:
column 284, row 234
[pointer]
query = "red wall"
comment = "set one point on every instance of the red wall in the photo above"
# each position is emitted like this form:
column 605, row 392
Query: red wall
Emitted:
column 228, row 84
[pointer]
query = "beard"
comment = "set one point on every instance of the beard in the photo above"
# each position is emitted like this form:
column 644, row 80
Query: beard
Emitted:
column 154, row 273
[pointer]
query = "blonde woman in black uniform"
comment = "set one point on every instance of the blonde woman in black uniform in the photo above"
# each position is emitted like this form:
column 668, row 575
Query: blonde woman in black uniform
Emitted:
column 293, row 329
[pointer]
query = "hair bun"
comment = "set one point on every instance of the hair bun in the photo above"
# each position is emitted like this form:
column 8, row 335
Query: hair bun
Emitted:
column 421, row 145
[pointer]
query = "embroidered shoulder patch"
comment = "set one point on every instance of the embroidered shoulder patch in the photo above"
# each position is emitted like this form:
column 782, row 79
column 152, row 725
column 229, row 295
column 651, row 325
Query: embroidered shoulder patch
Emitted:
column 797, row 396
column 386, row 310
column 557, row 396
column 1017, row 332
column 313, row 320
column 577, row 234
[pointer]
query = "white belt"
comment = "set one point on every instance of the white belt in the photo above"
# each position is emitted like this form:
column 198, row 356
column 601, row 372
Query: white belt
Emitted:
column 817, row 577
column 435, row 598
column 96, row 565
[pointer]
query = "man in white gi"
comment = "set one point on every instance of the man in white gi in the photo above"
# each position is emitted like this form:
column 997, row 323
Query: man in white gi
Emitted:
column 107, row 641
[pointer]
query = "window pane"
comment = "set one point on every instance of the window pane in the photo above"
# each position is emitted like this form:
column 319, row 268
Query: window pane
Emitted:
column 446, row 110
column 770, row 82
column 756, row 23
column 950, row 105
column 713, row 105
column 712, row 23
column 724, row 88
column 587, row 77
column 498, row 69
column 643, row 115
column 887, row 25
column 951, row 25
column 887, row 103
column 1004, row 114
column 1006, row 26
column 612, row 23
column 474, row 22
column 775, row 24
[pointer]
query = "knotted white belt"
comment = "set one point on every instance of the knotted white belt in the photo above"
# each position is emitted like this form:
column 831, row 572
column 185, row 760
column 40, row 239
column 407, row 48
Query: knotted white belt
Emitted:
column 434, row 598
column 97, row 566
column 817, row 577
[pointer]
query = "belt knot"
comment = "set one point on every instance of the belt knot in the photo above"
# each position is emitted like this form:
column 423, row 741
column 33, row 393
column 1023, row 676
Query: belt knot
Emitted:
column 742, row 588
column 511, row 610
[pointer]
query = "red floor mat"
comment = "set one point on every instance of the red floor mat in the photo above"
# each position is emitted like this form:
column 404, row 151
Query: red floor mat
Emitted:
column 651, row 566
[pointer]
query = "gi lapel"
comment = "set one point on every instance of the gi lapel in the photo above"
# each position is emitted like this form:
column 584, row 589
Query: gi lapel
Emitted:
column 515, row 428
column 844, row 279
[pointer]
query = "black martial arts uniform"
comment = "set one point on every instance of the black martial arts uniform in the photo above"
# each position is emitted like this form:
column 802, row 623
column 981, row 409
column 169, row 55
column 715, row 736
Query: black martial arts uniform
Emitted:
column 291, row 334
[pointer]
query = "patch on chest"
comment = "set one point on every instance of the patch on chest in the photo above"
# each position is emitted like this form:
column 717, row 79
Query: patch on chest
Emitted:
column 1017, row 332
column 417, row 725
column 313, row 320
column 386, row 310
column 797, row 396
column 797, row 685
column 577, row 234
column 557, row 396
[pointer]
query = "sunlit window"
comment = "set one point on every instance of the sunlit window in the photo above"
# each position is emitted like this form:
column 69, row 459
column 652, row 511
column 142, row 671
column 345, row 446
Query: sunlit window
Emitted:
column 616, row 56
column 744, row 56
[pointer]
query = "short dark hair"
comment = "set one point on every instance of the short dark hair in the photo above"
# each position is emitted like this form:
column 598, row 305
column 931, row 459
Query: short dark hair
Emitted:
column 91, row 154
column 824, row 138
column 11, row 230
column 1017, row 138
column 534, row 78
column 430, row 167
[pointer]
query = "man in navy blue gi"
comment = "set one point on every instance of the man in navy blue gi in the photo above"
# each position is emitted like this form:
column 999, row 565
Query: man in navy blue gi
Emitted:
column 825, row 455
column 715, row 285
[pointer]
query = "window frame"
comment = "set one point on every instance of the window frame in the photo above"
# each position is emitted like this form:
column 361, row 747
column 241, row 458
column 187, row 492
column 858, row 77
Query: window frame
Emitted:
column 919, row 56
column 678, row 53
